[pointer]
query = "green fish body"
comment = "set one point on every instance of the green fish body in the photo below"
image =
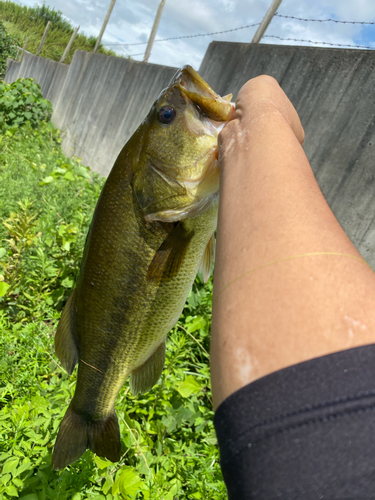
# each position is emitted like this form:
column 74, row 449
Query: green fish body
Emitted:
column 152, row 229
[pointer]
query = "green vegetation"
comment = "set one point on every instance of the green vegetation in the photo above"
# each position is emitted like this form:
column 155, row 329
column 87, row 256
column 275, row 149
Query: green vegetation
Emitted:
column 7, row 48
column 22, row 22
column 168, row 440
column 22, row 102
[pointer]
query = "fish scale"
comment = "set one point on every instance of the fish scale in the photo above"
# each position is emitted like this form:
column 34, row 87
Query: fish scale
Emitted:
column 152, row 228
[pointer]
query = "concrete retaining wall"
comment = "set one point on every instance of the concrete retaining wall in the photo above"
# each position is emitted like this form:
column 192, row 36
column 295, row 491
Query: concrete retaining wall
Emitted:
column 100, row 100
column 333, row 92
column 103, row 101
column 49, row 74
column 13, row 68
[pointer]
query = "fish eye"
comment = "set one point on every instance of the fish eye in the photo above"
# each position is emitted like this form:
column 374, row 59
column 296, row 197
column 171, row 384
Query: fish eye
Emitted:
column 166, row 114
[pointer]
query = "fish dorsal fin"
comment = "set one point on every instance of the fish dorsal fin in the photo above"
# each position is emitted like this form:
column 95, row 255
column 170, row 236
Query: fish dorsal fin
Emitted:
column 205, row 267
column 143, row 378
column 65, row 345
column 169, row 258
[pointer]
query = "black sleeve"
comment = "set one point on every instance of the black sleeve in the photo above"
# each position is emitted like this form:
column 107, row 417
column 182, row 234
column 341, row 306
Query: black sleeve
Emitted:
column 304, row 432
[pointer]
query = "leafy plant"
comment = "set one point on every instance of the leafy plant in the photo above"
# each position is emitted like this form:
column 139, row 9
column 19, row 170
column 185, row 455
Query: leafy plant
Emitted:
column 22, row 102
column 45, row 13
column 169, row 448
column 7, row 49
column 22, row 21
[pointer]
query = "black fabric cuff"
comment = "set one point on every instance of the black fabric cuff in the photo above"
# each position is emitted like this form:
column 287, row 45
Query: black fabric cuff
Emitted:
column 307, row 431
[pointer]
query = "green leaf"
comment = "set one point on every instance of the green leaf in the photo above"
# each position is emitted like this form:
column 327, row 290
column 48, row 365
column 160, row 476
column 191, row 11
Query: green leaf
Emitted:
column 11, row 490
column 69, row 176
column 31, row 496
column 67, row 282
column 102, row 463
column 5, row 478
column 25, row 466
column 2, row 252
column 189, row 386
column 128, row 483
column 83, row 172
column 3, row 288
column 46, row 180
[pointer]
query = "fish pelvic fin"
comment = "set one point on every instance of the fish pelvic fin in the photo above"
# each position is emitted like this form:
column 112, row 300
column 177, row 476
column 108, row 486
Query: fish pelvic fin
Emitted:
column 76, row 434
column 169, row 257
column 143, row 378
column 65, row 345
column 208, row 258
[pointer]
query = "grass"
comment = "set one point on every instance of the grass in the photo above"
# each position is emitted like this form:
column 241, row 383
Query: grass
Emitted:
column 22, row 22
column 169, row 448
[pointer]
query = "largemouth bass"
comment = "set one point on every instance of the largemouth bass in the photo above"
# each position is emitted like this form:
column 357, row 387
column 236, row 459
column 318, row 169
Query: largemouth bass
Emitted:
column 152, row 229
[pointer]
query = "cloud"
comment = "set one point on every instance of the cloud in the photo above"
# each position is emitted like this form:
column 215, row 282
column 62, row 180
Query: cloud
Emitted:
column 131, row 22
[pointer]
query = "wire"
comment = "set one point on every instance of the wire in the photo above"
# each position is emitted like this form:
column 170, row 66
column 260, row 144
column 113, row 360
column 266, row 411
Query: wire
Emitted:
column 323, row 43
column 187, row 36
column 133, row 55
column 324, row 20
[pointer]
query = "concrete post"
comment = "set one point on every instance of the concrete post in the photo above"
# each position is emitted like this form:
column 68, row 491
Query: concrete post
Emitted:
column 266, row 21
column 106, row 19
column 24, row 48
column 66, row 51
column 43, row 38
column 154, row 31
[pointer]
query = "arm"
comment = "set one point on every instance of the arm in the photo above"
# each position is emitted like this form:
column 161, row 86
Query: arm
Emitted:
column 271, row 209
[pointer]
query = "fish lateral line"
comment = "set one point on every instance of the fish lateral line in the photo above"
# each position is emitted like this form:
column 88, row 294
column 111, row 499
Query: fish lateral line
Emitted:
column 97, row 369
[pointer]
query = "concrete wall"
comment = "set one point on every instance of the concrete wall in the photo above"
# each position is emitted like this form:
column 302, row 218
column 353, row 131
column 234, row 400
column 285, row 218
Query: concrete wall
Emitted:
column 49, row 74
column 103, row 101
column 13, row 68
column 100, row 100
column 333, row 92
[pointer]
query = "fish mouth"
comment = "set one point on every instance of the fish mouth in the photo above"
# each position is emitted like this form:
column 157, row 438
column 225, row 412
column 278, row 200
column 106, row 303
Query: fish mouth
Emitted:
column 216, row 108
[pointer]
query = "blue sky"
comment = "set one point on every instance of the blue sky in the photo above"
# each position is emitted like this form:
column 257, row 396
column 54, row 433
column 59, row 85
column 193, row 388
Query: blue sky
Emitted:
column 131, row 22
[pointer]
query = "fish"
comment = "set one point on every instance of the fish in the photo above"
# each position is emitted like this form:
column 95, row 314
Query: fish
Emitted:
column 152, row 230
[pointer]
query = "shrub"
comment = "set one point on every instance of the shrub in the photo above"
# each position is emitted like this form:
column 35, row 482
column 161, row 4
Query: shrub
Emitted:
column 45, row 14
column 22, row 21
column 169, row 448
column 22, row 102
column 7, row 49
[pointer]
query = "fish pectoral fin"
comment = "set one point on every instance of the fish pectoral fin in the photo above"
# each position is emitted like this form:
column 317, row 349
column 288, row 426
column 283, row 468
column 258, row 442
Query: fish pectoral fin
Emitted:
column 143, row 378
column 207, row 262
column 102, row 436
column 169, row 258
column 65, row 345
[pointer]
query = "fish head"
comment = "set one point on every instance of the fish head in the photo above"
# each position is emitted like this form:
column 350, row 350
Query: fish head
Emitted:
column 177, row 172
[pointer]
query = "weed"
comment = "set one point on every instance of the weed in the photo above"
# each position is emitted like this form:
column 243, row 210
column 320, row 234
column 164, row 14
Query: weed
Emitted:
column 169, row 448
column 22, row 22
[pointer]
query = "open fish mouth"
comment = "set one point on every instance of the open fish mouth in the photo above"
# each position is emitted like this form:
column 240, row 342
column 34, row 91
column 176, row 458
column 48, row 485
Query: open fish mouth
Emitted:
column 216, row 108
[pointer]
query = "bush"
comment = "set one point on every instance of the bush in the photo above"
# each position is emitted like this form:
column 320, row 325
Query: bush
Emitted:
column 22, row 21
column 45, row 14
column 7, row 49
column 22, row 102
column 169, row 448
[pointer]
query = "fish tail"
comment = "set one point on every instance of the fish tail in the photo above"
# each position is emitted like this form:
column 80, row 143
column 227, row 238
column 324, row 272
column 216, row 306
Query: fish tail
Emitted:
column 77, row 433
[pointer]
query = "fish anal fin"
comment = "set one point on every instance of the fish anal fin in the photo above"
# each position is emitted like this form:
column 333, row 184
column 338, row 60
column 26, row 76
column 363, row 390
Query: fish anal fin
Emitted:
column 143, row 378
column 76, row 434
column 169, row 257
column 65, row 345
column 208, row 257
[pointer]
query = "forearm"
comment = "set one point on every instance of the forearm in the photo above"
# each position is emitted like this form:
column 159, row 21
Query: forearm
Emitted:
column 270, row 304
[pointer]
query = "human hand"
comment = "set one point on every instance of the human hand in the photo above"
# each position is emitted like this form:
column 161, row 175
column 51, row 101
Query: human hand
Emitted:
column 260, row 98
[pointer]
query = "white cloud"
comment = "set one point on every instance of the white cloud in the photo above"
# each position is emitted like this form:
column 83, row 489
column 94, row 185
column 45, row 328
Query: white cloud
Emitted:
column 132, row 22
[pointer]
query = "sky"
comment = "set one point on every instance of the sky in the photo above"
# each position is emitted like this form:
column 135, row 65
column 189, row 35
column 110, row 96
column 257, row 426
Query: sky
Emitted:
column 131, row 23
